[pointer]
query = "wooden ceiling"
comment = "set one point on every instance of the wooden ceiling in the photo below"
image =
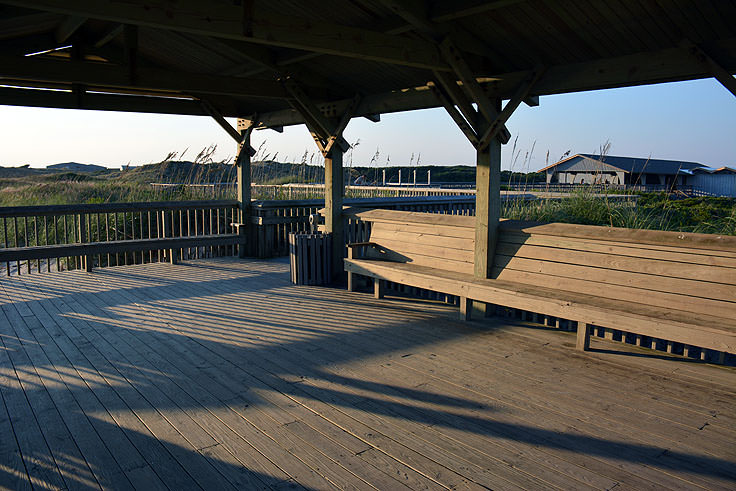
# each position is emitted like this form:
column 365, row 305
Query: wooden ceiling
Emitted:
column 243, row 57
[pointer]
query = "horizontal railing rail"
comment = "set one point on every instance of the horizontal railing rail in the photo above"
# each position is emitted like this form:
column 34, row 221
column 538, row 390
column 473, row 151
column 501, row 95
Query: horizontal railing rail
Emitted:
column 64, row 237
column 272, row 221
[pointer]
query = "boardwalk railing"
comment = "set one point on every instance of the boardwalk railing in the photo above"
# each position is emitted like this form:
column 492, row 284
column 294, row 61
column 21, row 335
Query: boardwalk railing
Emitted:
column 36, row 239
column 316, row 191
column 274, row 220
column 544, row 187
column 64, row 237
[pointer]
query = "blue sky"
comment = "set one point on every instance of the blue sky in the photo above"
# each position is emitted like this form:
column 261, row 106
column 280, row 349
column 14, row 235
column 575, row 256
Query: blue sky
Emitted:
column 693, row 121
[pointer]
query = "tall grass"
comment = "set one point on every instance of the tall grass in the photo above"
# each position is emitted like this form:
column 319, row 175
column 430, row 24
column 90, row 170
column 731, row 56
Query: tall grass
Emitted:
column 651, row 211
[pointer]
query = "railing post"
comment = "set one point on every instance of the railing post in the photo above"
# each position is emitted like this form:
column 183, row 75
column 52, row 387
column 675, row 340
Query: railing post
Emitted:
column 242, row 163
column 86, row 260
column 168, row 227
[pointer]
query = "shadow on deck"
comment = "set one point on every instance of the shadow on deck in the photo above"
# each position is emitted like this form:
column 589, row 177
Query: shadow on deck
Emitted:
column 220, row 373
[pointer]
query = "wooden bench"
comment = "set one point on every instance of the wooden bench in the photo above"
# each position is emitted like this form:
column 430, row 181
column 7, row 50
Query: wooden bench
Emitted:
column 663, row 285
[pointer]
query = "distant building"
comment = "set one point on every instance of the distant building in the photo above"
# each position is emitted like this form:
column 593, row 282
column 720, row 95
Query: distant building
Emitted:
column 593, row 169
column 654, row 174
column 714, row 182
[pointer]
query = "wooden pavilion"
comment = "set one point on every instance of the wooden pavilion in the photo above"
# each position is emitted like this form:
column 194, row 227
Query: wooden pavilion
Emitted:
column 323, row 63
column 220, row 374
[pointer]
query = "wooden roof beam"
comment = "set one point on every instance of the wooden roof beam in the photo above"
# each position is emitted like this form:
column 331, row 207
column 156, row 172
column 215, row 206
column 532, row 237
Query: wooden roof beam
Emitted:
column 521, row 94
column 68, row 27
column 461, row 123
column 25, row 25
column 325, row 131
column 474, row 89
column 458, row 97
column 116, row 76
column 227, row 21
column 230, row 129
column 414, row 12
column 10, row 96
column 719, row 73
column 110, row 35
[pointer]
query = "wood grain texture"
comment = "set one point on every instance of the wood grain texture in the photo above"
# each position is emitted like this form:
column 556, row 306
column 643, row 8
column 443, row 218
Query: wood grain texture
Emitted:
column 677, row 287
column 221, row 373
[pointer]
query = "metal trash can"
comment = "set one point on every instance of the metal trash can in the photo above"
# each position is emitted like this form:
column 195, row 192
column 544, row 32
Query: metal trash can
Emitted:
column 309, row 256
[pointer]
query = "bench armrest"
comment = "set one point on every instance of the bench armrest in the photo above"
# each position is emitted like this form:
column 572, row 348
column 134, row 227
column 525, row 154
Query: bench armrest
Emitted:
column 359, row 244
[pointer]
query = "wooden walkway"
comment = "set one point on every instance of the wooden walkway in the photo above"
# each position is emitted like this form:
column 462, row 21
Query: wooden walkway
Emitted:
column 219, row 374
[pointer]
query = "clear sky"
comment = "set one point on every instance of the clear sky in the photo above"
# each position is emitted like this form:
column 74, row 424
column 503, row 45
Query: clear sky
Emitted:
column 692, row 121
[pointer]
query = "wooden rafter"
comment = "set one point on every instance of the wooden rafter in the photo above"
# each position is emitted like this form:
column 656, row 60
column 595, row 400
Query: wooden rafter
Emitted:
column 476, row 93
column 325, row 131
column 336, row 135
column 109, row 36
column 99, row 102
column 234, row 133
column 719, row 73
column 461, row 123
column 226, row 21
column 458, row 96
column 115, row 76
column 244, row 142
column 462, row 70
column 68, row 27
column 497, row 126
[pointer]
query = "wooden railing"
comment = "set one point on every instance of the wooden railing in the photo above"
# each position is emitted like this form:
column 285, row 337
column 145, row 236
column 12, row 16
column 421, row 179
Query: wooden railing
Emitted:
column 274, row 220
column 317, row 191
column 556, row 187
column 63, row 237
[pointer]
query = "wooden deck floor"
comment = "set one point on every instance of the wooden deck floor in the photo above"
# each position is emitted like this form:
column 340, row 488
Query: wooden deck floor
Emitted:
column 219, row 374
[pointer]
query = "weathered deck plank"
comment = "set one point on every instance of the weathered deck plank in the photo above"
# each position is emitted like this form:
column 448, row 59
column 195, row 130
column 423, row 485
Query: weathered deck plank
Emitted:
column 219, row 373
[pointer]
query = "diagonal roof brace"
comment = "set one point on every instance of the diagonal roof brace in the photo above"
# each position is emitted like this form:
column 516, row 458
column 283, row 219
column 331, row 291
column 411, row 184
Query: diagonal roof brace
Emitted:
column 245, row 147
column 234, row 133
column 461, row 123
column 497, row 126
column 719, row 73
column 486, row 108
column 325, row 131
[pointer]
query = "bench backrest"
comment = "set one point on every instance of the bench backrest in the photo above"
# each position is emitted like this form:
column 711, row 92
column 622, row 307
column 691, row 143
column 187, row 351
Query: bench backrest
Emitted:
column 686, row 272
column 426, row 239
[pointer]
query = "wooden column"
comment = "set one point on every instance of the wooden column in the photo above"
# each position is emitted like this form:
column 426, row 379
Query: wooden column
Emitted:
column 244, row 185
column 487, row 206
column 334, row 190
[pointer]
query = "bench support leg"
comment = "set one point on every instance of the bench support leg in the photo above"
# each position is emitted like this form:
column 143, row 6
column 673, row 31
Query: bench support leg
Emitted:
column 583, row 340
column 351, row 284
column 378, row 288
column 466, row 308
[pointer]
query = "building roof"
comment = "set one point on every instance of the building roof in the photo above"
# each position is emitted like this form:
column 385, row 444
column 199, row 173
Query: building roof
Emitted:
column 720, row 170
column 633, row 165
column 168, row 56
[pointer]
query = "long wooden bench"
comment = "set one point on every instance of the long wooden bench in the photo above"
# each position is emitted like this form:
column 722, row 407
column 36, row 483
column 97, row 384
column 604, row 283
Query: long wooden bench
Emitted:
column 664, row 285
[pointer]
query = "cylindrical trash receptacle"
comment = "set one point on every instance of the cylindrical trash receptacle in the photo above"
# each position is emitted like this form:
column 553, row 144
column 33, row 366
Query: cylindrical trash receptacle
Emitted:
column 309, row 256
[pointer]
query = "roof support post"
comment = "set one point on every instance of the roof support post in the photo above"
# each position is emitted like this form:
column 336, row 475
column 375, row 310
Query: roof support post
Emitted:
column 242, row 163
column 327, row 134
column 334, row 191
column 487, row 204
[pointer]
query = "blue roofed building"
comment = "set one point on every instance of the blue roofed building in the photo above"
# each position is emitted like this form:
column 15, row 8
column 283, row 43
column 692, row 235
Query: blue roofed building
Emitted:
column 585, row 168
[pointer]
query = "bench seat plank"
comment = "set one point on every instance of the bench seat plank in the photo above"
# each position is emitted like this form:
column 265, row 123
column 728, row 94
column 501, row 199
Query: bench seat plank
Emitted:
column 680, row 287
column 707, row 242
column 649, row 251
column 665, row 291
column 714, row 332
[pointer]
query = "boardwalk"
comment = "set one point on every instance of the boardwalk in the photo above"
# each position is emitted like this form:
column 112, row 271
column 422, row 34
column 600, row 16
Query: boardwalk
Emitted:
column 219, row 374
